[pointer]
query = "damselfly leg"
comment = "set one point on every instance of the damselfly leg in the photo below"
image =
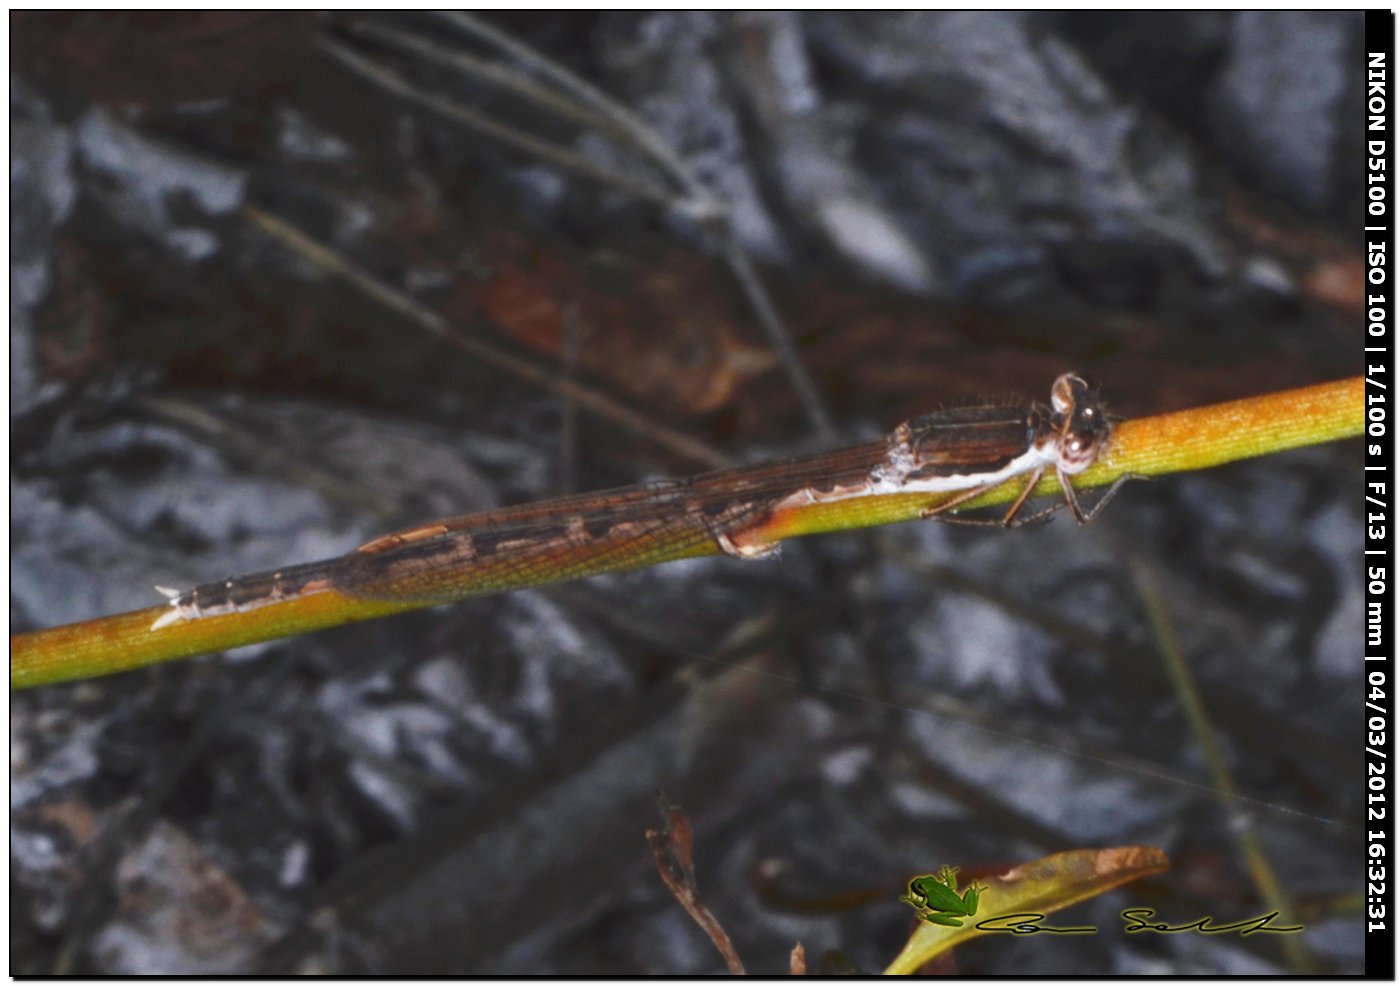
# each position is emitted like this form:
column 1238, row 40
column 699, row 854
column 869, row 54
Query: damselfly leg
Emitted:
column 1012, row 517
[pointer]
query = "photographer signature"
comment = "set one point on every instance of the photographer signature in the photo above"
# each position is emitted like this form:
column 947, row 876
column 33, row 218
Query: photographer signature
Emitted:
column 1136, row 920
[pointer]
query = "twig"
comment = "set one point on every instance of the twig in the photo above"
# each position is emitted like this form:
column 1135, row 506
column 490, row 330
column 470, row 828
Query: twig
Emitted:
column 1240, row 823
column 567, row 479
column 361, row 884
column 699, row 202
column 460, row 114
column 628, row 124
column 778, row 337
column 563, row 387
column 673, row 848
column 797, row 961
column 507, row 79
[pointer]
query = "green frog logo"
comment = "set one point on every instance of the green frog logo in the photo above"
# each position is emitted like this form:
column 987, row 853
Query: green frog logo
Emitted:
column 937, row 900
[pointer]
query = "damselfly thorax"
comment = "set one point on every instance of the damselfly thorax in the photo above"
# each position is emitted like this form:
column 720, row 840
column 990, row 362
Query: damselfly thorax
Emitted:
column 961, row 451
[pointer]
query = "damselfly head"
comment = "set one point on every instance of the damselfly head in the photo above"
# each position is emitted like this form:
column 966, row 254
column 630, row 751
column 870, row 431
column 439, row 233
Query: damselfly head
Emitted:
column 1080, row 422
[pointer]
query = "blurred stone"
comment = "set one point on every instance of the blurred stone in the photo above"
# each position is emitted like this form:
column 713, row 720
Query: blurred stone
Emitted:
column 179, row 914
column 1280, row 112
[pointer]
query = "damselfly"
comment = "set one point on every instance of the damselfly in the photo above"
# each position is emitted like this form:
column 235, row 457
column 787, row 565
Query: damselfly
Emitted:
column 961, row 451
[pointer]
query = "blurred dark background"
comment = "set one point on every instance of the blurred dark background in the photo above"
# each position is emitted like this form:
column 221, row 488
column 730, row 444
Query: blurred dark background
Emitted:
column 944, row 207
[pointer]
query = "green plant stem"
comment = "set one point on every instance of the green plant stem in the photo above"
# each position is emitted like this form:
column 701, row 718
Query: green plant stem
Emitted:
column 1177, row 442
column 1261, row 869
